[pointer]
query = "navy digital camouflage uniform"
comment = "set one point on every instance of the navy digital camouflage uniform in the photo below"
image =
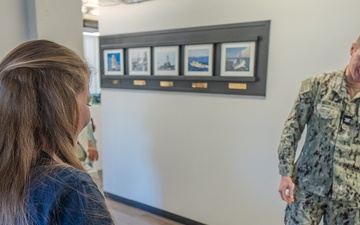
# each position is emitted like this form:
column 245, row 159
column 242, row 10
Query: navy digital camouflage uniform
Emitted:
column 328, row 168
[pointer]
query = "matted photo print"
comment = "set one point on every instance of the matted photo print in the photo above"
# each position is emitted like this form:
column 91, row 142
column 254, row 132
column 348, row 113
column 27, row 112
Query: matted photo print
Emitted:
column 198, row 60
column 238, row 59
column 166, row 60
column 114, row 62
column 139, row 61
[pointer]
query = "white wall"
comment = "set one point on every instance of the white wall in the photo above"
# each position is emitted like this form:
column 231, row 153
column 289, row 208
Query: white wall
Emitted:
column 12, row 23
column 60, row 21
column 22, row 20
column 209, row 157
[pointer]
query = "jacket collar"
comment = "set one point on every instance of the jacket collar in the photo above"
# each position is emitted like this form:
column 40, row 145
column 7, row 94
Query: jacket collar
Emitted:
column 339, row 84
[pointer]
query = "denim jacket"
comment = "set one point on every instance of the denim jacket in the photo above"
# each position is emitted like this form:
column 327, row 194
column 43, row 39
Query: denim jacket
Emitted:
column 64, row 195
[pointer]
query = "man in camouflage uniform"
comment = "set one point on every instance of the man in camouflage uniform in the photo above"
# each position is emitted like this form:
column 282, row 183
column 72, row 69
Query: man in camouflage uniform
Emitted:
column 326, row 176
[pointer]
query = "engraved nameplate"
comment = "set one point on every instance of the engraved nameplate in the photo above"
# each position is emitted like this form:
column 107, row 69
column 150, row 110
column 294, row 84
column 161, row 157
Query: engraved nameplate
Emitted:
column 239, row 86
column 166, row 84
column 139, row 82
column 199, row 85
column 115, row 81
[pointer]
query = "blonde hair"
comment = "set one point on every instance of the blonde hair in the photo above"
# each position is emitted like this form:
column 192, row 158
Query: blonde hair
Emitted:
column 358, row 42
column 39, row 82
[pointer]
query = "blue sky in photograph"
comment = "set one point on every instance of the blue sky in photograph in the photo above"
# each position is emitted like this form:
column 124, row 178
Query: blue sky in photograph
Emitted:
column 198, row 52
column 233, row 52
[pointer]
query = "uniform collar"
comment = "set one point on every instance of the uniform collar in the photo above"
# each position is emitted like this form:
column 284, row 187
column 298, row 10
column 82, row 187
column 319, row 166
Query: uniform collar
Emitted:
column 339, row 84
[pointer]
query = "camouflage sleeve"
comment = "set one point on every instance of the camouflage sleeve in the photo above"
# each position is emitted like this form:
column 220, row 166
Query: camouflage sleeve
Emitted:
column 294, row 127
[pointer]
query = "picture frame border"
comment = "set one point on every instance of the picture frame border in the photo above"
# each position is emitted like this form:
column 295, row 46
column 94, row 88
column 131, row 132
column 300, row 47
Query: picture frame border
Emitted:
column 157, row 72
column 139, row 73
column 122, row 61
column 251, row 72
column 210, row 47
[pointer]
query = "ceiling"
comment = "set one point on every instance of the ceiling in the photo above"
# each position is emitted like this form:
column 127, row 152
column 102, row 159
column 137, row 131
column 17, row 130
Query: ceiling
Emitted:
column 90, row 9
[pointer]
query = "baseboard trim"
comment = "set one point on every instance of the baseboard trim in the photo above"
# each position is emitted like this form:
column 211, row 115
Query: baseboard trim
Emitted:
column 153, row 210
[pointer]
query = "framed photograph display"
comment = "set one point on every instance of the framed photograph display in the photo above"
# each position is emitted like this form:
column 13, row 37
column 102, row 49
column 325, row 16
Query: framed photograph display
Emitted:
column 238, row 59
column 223, row 59
column 114, row 62
column 166, row 60
column 198, row 60
column 139, row 61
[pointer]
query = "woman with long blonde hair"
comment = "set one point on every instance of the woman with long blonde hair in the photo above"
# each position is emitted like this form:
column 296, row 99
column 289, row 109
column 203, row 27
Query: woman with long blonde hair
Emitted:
column 44, row 98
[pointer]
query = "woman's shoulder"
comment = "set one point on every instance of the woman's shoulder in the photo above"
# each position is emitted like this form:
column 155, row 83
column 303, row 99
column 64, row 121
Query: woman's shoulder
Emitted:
column 67, row 193
column 45, row 170
column 58, row 176
column 70, row 175
column 61, row 184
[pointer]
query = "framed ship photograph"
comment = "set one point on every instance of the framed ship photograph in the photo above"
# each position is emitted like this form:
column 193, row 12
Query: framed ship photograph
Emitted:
column 114, row 62
column 166, row 60
column 238, row 59
column 198, row 60
column 139, row 61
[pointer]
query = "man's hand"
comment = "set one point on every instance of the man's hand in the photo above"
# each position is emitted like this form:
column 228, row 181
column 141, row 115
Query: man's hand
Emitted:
column 93, row 153
column 286, row 189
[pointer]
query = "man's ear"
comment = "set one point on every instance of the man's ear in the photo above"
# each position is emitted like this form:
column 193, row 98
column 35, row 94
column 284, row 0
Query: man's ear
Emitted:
column 353, row 48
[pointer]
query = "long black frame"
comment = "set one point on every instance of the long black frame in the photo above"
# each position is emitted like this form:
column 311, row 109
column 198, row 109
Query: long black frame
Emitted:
column 242, row 32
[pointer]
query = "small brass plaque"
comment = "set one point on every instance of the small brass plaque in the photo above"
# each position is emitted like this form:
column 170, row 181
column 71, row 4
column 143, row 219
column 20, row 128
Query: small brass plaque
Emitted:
column 239, row 86
column 199, row 85
column 115, row 81
column 166, row 84
column 139, row 82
